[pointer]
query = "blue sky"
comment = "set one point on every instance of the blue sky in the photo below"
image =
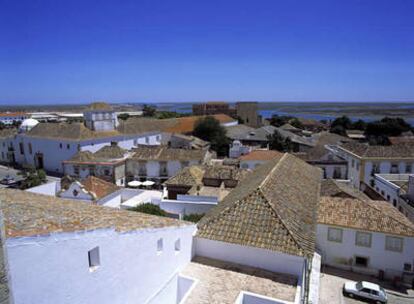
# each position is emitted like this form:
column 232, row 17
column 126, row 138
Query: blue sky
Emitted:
column 158, row 51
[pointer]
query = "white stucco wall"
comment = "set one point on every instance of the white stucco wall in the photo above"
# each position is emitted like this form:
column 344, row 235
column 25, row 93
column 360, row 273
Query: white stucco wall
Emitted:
column 251, row 256
column 55, row 269
column 53, row 155
column 379, row 258
column 47, row 189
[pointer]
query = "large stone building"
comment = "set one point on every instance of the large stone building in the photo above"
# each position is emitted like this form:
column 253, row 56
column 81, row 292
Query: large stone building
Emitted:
column 247, row 111
column 212, row 108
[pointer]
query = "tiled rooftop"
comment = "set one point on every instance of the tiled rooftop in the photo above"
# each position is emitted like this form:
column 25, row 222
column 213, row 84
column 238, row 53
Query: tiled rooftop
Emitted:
column 30, row 214
column 221, row 282
column 376, row 216
column 333, row 188
column 402, row 150
column 274, row 208
column 162, row 153
column 260, row 155
column 98, row 187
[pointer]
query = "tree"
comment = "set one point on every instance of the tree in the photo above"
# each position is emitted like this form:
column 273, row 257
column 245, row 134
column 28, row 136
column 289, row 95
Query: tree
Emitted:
column 209, row 129
column 359, row 125
column 343, row 121
column 148, row 111
column 278, row 121
column 149, row 208
column 387, row 126
column 280, row 143
column 340, row 130
column 32, row 177
column 123, row 116
column 296, row 123
column 194, row 217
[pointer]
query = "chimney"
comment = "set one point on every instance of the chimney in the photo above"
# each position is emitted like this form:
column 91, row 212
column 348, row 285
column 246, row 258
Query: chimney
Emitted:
column 411, row 185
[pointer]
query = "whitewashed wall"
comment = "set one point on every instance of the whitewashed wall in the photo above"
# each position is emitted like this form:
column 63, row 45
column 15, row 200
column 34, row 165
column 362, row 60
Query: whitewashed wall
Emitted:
column 379, row 258
column 46, row 189
column 251, row 256
column 131, row 270
column 53, row 155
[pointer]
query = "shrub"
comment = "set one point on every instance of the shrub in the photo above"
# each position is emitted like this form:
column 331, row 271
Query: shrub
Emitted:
column 149, row 208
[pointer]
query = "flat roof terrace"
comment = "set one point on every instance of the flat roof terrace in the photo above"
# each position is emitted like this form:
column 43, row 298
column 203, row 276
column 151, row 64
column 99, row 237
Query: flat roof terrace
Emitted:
column 219, row 282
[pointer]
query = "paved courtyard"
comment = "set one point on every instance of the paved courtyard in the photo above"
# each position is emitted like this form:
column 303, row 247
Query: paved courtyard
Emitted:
column 333, row 279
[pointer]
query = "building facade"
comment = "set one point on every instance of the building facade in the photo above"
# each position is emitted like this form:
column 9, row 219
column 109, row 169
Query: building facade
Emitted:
column 365, row 161
column 89, row 249
column 367, row 236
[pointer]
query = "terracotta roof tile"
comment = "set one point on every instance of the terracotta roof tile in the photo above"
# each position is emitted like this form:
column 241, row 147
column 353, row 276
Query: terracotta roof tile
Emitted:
column 274, row 208
column 402, row 150
column 98, row 187
column 376, row 216
column 30, row 214
column 261, row 155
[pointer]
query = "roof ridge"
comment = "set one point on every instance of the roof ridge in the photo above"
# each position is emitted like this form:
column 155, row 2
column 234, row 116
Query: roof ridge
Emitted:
column 281, row 220
column 273, row 169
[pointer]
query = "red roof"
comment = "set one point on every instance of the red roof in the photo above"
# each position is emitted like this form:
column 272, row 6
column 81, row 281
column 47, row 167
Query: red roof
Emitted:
column 12, row 114
column 261, row 155
column 99, row 187
column 187, row 124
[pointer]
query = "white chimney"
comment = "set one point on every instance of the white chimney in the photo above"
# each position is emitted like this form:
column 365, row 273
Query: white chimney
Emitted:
column 411, row 185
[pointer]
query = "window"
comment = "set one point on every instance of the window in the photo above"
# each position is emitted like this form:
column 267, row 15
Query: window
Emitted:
column 67, row 146
column 91, row 170
column 382, row 192
column 352, row 163
column 159, row 246
column 158, row 138
column 394, row 202
column 75, row 192
column 335, row 235
column 388, row 197
column 177, row 246
column 407, row 267
column 30, row 148
column 21, row 148
column 357, row 165
column 363, row 239
column 361, row 261
column 94, row 259
column 76, row 170
column 337, row 173
column 394, row 168
column 408, row 168
column 147, row 140
column 60, row 145
column 375, row 168
column 107, row 172
column 393, row 243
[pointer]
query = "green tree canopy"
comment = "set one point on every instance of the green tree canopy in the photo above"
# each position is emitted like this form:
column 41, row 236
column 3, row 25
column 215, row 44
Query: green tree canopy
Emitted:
column 279, row 143
column 32, row 177
column 209, row 129
column 148, row 111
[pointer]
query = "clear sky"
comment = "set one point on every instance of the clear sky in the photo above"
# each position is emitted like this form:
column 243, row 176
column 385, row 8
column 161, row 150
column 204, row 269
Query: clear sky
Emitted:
column 63, row 51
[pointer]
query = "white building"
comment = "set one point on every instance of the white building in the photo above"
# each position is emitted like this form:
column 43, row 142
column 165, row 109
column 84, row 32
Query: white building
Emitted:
column 93, row 254
column 197, row 189
column 397, row 189
column 47, row 145
column 8, row 118
column 160, row 163
column 268, row 221
column 97, row 191
column 107, row 163
column 365, row 236
column 365, row 161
